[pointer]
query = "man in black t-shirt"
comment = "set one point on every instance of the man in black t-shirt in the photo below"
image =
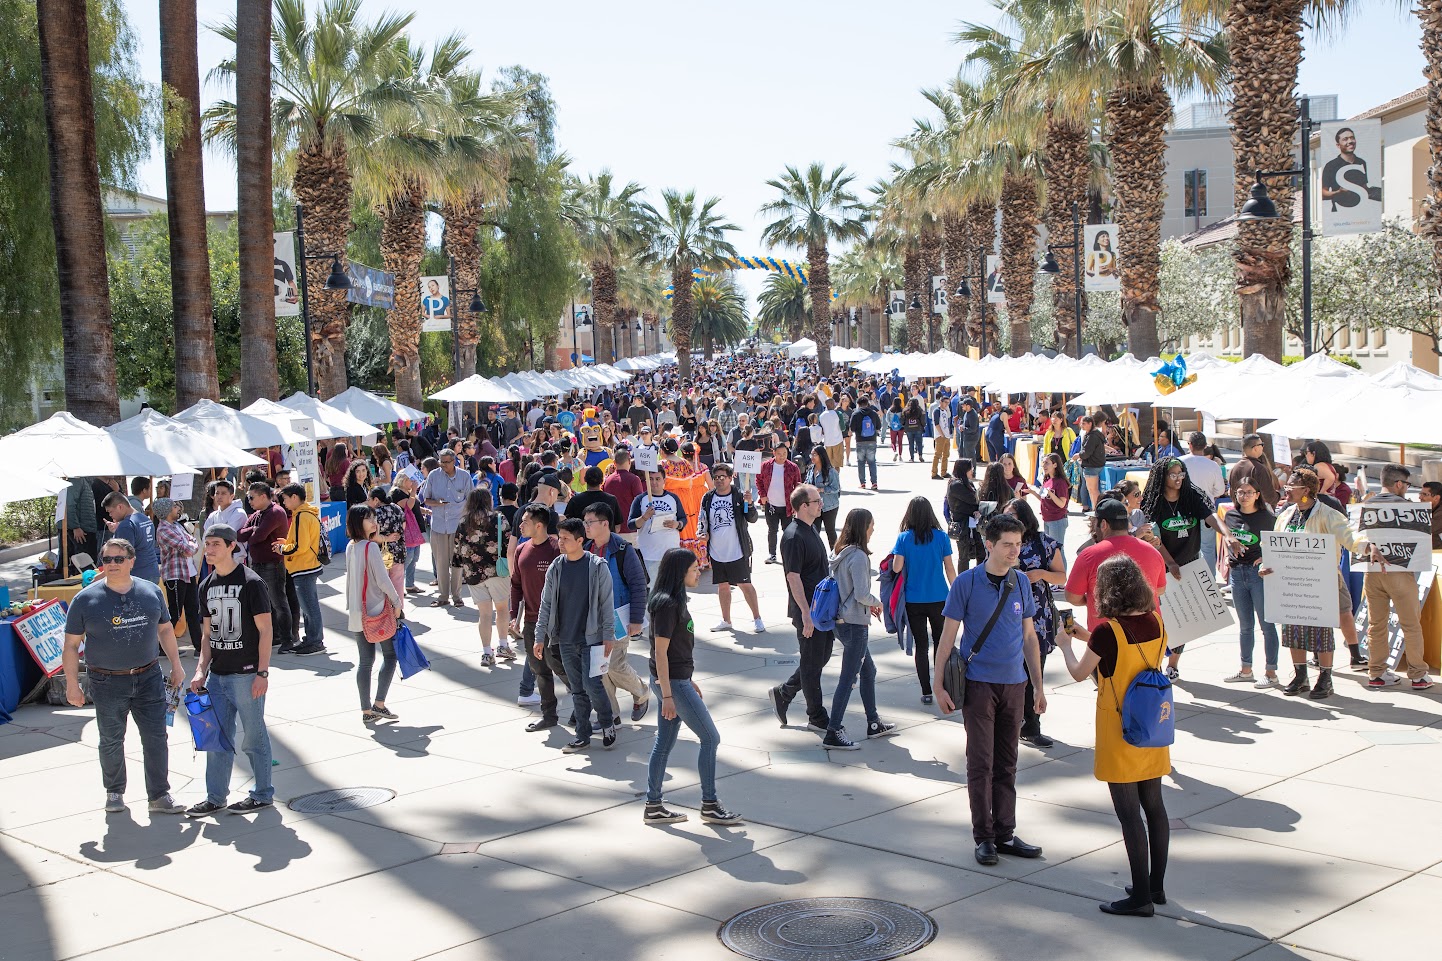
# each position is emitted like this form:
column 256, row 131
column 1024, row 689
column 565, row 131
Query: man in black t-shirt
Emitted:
column 803, row 559
column 235, row 669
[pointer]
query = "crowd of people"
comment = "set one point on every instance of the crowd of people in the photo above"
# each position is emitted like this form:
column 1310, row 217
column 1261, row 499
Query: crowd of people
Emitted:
column 578, row 528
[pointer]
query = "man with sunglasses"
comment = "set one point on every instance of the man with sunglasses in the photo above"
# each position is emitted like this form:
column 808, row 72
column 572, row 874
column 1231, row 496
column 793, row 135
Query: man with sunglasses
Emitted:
column 1253, row 469
column 122, row 621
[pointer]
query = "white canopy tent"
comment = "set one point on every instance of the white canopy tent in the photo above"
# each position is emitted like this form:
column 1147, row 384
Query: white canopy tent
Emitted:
column 237, row 428
column 476, row 389
column 281, row 416
column 66, row 446
column 805, row 347
column 372, row 408
column 180, row 442
column 20, row 484
column 332, row 417
column 1315, row 380
column 1216, row 384
column 1396, row 415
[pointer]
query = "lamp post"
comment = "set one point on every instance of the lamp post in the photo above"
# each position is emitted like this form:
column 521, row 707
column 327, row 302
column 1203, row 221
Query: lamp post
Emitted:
column 964, row 289
column 1261, row 207
column 1050, row 266
column 476, row 306
column 916, row 305
column 336, row 281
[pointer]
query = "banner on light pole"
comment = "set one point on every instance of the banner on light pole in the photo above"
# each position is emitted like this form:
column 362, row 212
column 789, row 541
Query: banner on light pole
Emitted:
column 287, row 295
column 1103, row 269
column 1349, row 190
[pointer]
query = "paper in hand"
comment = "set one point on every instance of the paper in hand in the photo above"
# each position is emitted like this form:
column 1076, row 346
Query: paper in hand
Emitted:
column 599, row 660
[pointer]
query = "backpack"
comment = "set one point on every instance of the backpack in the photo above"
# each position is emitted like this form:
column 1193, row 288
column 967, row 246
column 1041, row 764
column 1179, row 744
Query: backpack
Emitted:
column 621, row 561
column 868, row 427
column 1148, row 718
column 825, row 604
column 322, row 549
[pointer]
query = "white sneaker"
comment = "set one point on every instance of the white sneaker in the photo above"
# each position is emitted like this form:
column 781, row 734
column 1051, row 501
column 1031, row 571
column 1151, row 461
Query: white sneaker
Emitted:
column 722, row 626
column 1391, row 677
column 760, row 626
column 529, row 700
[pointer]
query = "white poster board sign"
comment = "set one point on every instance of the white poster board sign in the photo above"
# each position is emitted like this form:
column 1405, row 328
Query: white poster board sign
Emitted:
column 1302, row 587
column 43, row 632
column 647, row 459
column 302, row 457
column 1282, row 452
column 1209, row 425
column 182, row 486
column 748, row 462
column 1402, row 533
column 1193, row 607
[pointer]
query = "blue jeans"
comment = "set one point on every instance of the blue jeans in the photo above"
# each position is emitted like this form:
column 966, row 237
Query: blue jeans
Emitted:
column 591, row 692
column 528, row 680
column 866, row 455
column 855, row 659
column 1056, row 530
column 117, row 698
column 305, row 591
column 1247, row 596
column 691, row 711
column 230, row 693
column 1209, row 547
column 413, row 554
column 913, row 443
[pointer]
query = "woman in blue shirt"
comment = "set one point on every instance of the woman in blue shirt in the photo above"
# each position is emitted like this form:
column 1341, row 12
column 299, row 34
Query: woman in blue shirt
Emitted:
column 923, row 552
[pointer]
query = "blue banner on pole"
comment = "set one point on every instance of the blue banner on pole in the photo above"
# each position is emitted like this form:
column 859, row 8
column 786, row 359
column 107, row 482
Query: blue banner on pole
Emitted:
column 370, row 287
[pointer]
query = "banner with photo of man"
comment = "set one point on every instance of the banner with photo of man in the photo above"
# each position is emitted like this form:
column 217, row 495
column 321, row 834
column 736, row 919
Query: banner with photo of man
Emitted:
column 287, row 294
column 938, row 294
column 995, row 292
column 436, row 304
column 897, row 303
column 1349, row 189
column 1100, row 268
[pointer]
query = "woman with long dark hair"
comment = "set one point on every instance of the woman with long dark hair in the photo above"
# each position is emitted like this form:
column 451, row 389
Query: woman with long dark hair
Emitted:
column 856, row 605
column 994, row 487
column 337, row 466
column 1132, row 639
column 1318, row 456
column 357, row 483
column 923, row 555
column 1044, row 565
column 1054, row 492
column 1248, row 520
column 368, row 588
column 824, row 478
column 673, row 643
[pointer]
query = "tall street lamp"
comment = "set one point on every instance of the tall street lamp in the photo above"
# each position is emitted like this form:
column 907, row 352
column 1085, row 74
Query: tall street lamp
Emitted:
column 1050, row 266
column 1261, row 207
column 963, row 290
column 476, row 306
column 336, row 281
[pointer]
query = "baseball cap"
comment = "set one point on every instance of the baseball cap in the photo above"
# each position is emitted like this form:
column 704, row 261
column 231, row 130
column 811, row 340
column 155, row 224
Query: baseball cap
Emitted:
column 551, row 480
column 1113, row 511
column 224, row 531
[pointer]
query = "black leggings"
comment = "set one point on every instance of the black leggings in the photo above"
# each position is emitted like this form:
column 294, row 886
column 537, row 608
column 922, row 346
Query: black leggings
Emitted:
column 926, row 623
column 828, row 522
column 1130, row 801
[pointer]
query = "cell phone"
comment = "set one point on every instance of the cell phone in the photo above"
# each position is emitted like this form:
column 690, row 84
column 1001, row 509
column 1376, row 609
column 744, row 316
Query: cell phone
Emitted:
column 1068, row 620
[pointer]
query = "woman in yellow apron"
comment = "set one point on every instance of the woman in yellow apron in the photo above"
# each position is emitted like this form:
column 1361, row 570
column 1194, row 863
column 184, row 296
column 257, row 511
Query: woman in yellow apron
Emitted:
column 1132, row 639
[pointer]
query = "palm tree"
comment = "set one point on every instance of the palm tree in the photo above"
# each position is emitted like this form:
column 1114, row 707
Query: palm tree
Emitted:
column 195, row 365
column 1136, row 51
column 720, row 313
column 785, row 303
column 1429, row 12
column 75, row 212
column 255, row 206
column 812, row 210
column 610, row 225
column 686, row 238
column 865, row 276
column 331, row 79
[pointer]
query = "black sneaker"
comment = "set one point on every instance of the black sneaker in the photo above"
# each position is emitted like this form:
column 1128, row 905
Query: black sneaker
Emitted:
column 1038, row 739
column 1323, row 687
column 778, row 704
column 286, row 648
column 203, row 809
column 659, row 814
column 306, row 650
column 1298, row 685
column 249, row 805
column 838, row 741
column 880, row 729
column 713, row 813
column 576, row 746
column 608, row 737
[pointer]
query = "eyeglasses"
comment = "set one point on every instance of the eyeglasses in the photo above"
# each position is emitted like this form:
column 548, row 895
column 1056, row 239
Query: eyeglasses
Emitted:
column 593, row 521
column 114, row 559
column 1246, row 492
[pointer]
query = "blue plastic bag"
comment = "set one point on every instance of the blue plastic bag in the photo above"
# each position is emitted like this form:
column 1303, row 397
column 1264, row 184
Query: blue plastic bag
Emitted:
column 409, row 656
column 205, row 726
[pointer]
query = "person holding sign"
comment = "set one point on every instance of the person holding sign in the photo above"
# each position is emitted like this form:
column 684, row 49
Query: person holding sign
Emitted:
column 726, row 518
column 1247, row 522
column 1305, row 513
column 121, row 620
column 1396, row 588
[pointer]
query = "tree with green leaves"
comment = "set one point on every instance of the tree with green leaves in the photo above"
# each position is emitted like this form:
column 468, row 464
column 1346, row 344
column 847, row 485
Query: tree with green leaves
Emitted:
column 686, row 237
column 720, row 313
column 611, row 226
column 784, row 304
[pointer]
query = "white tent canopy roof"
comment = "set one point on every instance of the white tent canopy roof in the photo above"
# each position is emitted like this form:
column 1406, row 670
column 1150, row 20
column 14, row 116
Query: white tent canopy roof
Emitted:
column 281, row 416
column 179, row 442
column 1397, row 415
column 476, row 389
column 66, row 446
column 237, row 427
column 20, row 484
column 332, row 417
column 372, row 408
column 1315, row 380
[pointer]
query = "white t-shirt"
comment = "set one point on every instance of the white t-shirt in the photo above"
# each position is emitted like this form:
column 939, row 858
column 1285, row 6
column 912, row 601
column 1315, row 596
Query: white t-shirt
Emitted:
column 830, row 423
column 653, row 539
column 1206, row 474
column 724, row 543
column 776, row 490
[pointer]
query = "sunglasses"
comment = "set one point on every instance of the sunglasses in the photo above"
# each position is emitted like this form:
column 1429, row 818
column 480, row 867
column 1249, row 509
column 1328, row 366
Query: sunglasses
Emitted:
column 114, row 559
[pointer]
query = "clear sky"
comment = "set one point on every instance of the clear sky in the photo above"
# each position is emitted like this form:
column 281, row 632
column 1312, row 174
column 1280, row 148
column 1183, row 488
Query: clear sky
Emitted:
column 722, row 97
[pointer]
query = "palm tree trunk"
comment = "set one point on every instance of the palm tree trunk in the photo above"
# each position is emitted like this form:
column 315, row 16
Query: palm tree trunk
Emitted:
column 981, row 225
column 255, row 207
column 403, row 243
column 195, row 371
column 1138, row 121
column 75, row 212
column 1264, row 39
column 603, row 303
column 1430, row 13
column 459, row 239
column 932, row 246
column 1067, row 164
column 818, row 274
column 913, row 267
column 683, row 316
column 1019, row 212
column 323, row 187
column 958, row 249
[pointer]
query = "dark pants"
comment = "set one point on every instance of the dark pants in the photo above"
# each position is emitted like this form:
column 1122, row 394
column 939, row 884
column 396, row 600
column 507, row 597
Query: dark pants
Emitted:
column 992, row 714
column 281, row 626
column 1031, row 720
column 546, row 669
column 587, row 690
column 926, row 624
column 776, row 518
column 828, row 524
column 292, row 603
column 117, row 698
column 183, row 596
column 365, row 663
column 806, row 679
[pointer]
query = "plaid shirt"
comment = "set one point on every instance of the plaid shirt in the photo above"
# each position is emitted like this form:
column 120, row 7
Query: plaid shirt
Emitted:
column 727, row 419
column 177, row 551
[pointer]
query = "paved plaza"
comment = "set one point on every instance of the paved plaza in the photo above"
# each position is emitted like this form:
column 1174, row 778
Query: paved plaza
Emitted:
column 1301, row 829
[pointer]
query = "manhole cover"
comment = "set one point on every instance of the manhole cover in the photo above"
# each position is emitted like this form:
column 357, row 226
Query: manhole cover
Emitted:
column 341, row 799
column 834, row 929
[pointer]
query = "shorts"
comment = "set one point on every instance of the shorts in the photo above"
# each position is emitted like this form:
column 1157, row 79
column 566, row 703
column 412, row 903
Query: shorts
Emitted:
column 492, row 590
column 1092, row 471
column 731, row 572
column 1344, row 595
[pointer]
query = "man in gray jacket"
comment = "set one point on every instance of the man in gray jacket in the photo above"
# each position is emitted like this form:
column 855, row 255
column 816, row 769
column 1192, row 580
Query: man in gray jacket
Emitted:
column 577, row 615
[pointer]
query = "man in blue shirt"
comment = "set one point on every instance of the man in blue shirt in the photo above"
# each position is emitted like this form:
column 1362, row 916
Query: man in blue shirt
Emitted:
column 128, row 524
column 445, row 492
column 996, row 677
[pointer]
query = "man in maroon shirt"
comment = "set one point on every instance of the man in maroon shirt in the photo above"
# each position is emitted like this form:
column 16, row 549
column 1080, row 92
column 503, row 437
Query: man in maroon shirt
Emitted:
column 528, row 577
column 267, row 523
column 623, row 484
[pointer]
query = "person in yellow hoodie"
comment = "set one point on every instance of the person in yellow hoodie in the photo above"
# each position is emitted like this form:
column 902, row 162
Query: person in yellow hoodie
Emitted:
column 301, row 549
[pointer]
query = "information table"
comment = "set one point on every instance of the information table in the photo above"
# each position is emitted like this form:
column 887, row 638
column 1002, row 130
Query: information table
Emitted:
column 18, row 671
column 1432, row 619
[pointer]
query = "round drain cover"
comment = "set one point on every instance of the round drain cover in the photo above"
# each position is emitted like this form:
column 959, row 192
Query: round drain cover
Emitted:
column 341, row 799
column 834, row 929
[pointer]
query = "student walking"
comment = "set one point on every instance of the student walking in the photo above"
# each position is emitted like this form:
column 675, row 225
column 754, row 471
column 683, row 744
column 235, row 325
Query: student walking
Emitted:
column 856, row 605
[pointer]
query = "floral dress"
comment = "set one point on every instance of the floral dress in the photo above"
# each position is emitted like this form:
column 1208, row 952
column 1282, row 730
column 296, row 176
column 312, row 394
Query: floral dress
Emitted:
column 477, row 547
column 391, row 519
column 1037, row 554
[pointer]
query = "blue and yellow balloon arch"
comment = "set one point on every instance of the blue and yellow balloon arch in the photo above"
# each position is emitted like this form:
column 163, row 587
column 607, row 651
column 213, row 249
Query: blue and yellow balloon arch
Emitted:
column 775, row 265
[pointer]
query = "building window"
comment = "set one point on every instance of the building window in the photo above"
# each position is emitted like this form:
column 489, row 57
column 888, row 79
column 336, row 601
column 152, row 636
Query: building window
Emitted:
column 1194, row 193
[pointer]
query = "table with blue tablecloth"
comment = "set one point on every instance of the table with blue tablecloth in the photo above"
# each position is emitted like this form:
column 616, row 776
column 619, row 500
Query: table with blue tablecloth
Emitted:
column 1114, row 474
column 18, row 671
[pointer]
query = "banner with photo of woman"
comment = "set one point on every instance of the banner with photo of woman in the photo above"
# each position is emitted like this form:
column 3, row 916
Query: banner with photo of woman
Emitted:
column 995, row 291
column 1102, row 270
column 436, row 303
column 287, row 295
column 1349, row 190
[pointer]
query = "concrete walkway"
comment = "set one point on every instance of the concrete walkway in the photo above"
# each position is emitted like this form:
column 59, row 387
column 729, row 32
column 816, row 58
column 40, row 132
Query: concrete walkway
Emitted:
column 1302, row 829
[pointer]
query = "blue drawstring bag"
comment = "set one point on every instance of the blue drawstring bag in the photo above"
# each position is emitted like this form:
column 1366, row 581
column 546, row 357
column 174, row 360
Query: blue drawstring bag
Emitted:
column 409, row 656
column 205, row 726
